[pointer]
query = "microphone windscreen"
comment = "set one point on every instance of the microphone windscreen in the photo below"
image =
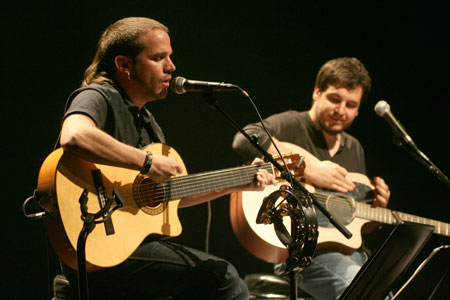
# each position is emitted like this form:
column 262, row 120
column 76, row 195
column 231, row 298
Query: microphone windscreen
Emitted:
column 382, row 107
column 177, row 85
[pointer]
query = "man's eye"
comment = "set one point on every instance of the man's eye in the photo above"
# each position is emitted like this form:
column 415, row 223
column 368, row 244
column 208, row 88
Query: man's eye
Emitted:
column 352, row 105
column 158, row 58
column 334, row 100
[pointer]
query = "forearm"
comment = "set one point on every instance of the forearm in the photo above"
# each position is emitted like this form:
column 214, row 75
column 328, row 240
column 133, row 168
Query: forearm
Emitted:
column 79, row 135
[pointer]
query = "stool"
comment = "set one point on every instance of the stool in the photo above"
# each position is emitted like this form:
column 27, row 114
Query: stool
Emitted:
column 271, row 286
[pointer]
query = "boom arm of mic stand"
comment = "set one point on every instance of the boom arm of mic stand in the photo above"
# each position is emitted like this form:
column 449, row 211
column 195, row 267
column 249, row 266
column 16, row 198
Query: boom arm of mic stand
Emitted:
column 215, row 105
column 423, row 159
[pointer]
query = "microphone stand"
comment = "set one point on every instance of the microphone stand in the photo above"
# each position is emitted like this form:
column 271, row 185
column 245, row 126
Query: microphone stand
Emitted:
column 89, row 222
column 293, row 274
column 284, row 174
column 419, row 156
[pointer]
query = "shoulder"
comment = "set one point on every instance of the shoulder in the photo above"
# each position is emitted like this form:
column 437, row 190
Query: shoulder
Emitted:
column 289, row 116
column 103, row 88
column 351, row 142
column 91, row 100
column 99, row 93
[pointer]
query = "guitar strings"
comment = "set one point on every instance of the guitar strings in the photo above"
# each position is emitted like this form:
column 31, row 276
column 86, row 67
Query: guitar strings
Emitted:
column 383, row 214
column 193, row 184
column 160, row 196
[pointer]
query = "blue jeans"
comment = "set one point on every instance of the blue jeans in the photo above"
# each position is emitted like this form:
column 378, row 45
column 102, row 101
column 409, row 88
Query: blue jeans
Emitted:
column 329, row 274
column 164, row 270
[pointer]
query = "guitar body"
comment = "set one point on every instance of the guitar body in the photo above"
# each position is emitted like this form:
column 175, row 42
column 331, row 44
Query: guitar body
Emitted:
column 63, row 178
column 149, row 208
column 351, row 209
column 261, row 239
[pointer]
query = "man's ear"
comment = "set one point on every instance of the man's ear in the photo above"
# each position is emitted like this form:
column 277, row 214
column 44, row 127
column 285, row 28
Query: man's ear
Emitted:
column 316, row 93
column 123, row 64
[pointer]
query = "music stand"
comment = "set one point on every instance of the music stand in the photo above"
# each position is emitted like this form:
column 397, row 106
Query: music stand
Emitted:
column 431, row 279
column 377, row 276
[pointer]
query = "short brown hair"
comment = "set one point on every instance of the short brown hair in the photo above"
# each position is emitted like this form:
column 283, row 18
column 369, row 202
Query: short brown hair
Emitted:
column 345, row 72
column 120, row 38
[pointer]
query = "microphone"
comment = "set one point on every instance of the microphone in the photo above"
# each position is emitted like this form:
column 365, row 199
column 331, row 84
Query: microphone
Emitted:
column 180, row 85
column 383, row 109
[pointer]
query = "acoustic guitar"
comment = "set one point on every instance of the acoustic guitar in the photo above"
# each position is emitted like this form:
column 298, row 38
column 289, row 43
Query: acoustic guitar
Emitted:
column 352, row 209
column 149, row 208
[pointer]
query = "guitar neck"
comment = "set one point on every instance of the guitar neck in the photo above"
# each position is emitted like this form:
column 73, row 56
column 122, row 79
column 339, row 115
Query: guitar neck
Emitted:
column 387, row 216
column 184, row 186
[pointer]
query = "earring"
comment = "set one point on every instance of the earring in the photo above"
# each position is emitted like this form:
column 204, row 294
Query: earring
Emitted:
column 128, row 76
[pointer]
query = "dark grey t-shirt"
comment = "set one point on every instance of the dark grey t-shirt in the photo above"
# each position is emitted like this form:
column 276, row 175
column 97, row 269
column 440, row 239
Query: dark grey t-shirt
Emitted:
column 298, row 128
column 112, row 111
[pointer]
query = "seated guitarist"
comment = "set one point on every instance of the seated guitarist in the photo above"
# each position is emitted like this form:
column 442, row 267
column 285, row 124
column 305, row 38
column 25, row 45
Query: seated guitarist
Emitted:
column 107, row 122
column 341, row 86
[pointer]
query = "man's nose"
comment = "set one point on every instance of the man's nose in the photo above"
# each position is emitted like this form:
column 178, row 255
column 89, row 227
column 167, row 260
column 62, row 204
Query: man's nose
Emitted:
column 340, row 108
column 170, row 66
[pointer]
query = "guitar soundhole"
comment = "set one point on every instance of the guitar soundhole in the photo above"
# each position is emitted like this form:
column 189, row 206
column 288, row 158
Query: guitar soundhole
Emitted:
column 342, row 208
column 148, row 195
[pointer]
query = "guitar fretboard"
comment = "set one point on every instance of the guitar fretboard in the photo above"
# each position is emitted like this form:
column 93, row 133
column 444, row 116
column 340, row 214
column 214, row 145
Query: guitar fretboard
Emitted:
column 387, row 216
column 184, row 186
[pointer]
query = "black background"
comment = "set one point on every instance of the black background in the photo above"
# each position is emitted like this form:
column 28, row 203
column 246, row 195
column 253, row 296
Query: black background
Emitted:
column 272, row 50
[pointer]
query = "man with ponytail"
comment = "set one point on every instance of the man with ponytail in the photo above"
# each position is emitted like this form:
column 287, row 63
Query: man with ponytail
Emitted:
column 107, row 122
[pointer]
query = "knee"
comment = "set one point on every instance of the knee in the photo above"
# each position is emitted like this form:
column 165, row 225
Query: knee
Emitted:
column 234, row 286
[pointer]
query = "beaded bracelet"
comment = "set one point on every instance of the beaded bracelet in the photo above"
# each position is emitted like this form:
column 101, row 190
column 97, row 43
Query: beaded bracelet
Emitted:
column 147, row 164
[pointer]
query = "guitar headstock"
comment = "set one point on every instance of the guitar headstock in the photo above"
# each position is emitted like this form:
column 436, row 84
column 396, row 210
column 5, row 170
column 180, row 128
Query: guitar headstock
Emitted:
column 295, row 164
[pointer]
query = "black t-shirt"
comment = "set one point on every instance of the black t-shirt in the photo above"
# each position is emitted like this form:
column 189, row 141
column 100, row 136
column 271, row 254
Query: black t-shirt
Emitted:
column 298, row 128
column 113, row 112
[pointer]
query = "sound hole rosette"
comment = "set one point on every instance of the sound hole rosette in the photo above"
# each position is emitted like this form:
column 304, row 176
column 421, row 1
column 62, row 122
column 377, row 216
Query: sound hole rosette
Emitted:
column 149, row 196
column 342, row 207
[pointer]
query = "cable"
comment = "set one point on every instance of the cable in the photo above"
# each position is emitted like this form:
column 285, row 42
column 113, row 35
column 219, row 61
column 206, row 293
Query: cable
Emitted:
column 208, row 227
column 267, row 132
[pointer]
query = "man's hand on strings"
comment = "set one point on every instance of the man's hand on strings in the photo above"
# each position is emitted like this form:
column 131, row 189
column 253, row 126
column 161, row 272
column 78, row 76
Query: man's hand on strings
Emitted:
column 262, row 178
column 327, row 174
column 382, row 192
column 163, row 168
